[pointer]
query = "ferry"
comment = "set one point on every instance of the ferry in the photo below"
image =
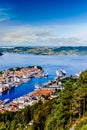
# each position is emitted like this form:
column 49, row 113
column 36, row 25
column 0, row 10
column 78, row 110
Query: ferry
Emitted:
column 61, row 73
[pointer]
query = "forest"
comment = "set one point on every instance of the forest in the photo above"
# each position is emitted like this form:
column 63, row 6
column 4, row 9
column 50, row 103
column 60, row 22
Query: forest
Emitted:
column 66, row 112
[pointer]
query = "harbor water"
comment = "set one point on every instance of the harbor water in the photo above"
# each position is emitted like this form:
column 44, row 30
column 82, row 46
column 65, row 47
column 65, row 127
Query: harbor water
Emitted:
column 71, row 63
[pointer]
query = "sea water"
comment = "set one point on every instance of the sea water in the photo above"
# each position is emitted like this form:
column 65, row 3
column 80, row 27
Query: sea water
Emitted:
column 71, row 63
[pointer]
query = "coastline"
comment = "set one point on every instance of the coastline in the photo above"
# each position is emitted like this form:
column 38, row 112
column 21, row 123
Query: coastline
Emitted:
column 45, row 92
column 42, row 50
column 13, row 77
column 50, row 66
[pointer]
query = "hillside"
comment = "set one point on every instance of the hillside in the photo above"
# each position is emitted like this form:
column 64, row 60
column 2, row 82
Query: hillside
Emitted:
column 47, row 50
column 61, row 113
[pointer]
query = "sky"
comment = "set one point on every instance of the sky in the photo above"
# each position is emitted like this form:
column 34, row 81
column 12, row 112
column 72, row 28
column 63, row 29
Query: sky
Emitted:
column 43, row 22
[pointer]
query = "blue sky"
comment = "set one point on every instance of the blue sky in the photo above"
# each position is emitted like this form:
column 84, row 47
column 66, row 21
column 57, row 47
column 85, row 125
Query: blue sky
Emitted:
column 43, row 22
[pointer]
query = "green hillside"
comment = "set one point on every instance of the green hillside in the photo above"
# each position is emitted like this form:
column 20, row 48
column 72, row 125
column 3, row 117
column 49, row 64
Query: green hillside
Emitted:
column 66, row 112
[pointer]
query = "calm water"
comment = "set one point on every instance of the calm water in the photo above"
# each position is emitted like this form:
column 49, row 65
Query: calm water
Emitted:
column 72, row 64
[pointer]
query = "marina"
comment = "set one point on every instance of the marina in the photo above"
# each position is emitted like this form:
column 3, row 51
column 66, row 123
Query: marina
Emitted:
column 13, row 77
column 44, row 92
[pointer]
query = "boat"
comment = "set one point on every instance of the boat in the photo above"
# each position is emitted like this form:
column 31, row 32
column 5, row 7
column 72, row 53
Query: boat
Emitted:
column 37, row 86
column 45, row 75
column 5, row 101
column 58, row 73
column 1, row 90
column 77, row 74
column 61, row 73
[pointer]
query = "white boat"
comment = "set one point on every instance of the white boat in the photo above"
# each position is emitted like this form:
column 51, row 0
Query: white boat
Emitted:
column 77, row 74
column 1, row 90
column 61, row 73
column 45, row 75
column 58, row 73
column 6, row 100
column 37, row 86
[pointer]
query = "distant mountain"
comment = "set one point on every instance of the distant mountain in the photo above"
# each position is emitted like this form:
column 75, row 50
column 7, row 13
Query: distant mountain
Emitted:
column 82, row 50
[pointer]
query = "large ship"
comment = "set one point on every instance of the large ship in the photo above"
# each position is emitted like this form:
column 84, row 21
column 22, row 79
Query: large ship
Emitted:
column 61, row 73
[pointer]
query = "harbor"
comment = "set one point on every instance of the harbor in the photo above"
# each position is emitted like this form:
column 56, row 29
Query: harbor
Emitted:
column 13, row 77
column 50, row 64
column 45, row 92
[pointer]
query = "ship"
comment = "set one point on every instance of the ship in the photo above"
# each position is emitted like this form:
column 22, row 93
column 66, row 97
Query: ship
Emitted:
column 61, row 73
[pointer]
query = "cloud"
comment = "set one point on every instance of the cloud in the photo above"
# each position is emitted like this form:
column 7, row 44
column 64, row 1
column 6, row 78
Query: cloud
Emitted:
column 52, row 35
column 4, row 15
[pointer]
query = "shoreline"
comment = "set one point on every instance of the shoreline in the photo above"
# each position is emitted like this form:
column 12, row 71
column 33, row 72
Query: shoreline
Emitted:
column 44, row 92
column 30, row 98
column 13, row 77
column 42, row 50
column 44, row 54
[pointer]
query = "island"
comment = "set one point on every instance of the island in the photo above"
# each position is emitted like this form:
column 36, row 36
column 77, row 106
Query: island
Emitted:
column 63, row 50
